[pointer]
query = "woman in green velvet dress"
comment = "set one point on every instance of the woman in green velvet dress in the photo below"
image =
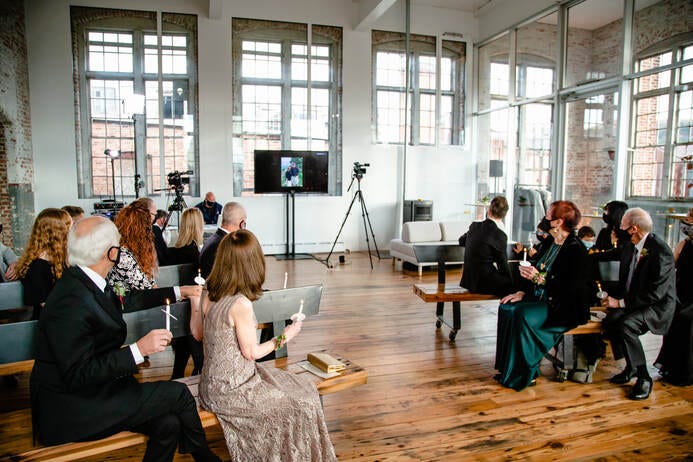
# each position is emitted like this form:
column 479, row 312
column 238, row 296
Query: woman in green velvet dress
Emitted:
column 554, row 298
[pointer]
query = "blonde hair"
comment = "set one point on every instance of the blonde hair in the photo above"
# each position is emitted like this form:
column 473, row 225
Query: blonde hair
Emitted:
column 48, row 236
column 239, row 267
column 191, row 227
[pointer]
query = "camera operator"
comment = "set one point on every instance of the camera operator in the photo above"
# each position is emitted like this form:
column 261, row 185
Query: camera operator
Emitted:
column 210, row 209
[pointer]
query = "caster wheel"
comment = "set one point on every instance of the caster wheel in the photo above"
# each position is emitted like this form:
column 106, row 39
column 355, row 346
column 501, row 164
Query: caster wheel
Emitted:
column 453, row 334
column 562, row 375
column 438, row 324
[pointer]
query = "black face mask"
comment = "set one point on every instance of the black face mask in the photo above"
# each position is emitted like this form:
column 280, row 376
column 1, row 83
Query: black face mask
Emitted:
column 687, row 229
column 606, row 219
column 208, row 204
column 116, row 260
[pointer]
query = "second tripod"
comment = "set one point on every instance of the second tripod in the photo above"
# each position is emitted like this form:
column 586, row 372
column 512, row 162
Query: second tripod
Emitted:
column 359, row 171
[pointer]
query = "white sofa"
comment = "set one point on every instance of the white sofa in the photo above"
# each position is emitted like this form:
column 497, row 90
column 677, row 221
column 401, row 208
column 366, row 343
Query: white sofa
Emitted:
column 426, row 233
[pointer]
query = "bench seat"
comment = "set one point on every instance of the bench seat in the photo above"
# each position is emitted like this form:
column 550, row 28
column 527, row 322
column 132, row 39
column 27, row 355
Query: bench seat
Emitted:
column 441, row 293
column 352, row 376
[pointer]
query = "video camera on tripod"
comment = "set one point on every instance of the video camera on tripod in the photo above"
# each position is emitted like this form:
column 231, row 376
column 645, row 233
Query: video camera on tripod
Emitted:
column 359, row 170
column 177, row 179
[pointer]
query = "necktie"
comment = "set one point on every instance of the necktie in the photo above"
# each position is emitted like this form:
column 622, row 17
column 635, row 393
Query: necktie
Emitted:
column 632, row 267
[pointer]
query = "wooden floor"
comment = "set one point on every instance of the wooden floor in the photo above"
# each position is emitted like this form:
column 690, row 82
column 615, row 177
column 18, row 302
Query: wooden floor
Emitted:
column 429, row 399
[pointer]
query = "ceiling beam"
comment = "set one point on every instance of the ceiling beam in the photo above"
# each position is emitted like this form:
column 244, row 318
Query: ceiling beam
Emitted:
column 370, row 11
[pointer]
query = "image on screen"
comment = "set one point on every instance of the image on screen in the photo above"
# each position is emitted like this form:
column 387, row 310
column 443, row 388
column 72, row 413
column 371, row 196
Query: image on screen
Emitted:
column 292, row 172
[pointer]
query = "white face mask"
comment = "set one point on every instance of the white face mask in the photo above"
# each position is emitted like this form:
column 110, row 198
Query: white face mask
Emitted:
column 687, row 229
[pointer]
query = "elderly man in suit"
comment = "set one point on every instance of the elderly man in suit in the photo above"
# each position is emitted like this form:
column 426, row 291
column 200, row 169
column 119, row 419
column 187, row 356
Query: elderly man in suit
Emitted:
column 486, row 269
column 82, row 384
column 648, row 277
column 233, row 218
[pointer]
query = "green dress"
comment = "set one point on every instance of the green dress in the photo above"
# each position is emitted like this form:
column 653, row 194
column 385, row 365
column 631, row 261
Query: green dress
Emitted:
column 522, row 339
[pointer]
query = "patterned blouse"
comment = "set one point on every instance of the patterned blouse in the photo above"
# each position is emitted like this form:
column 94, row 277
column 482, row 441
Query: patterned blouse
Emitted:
column 129, row 274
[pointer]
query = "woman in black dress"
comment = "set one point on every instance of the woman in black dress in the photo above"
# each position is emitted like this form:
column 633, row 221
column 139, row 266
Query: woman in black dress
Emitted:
column 554, row 299
column 45, row 257
column 187, row 250
column 675, row 360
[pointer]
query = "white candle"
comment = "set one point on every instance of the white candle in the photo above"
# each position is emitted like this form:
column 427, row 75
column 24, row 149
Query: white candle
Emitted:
column 286, row 277
column 300, row 309
column 168, row 315
column 524, row 256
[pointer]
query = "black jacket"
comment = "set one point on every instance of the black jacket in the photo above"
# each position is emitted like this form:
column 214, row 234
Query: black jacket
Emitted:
column 209, row 251
column 486, row 269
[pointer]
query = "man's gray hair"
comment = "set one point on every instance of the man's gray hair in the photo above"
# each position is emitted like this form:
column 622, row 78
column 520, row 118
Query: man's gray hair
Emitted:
column 86, row 245
column 232, row 214
column 640, row 218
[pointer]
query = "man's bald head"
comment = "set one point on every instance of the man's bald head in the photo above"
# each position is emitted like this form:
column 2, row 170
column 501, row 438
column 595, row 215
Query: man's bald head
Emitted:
column 232, row 215
column 209, row 197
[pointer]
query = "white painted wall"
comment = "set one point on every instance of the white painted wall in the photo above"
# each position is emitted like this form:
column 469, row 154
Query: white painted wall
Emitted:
column 446, row 175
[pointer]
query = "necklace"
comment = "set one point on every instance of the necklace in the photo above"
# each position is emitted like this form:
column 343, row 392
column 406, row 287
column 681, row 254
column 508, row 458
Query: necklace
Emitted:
column 549, row 257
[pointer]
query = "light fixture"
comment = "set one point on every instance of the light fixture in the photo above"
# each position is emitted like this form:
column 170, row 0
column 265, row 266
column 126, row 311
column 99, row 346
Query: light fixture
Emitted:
column 112, row 154
column 134, row 105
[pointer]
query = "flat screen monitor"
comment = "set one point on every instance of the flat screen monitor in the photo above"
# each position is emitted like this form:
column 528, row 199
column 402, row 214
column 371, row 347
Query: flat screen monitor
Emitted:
column 284, row 171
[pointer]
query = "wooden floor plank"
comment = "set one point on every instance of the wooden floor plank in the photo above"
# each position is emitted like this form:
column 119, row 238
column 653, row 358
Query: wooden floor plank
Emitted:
column 431, row 399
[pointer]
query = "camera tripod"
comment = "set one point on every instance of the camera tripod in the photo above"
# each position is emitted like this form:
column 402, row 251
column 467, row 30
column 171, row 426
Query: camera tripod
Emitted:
column 364, row 216
column 178, row 206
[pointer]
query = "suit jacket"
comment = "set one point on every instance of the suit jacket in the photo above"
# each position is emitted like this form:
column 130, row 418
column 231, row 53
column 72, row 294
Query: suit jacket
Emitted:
column 82, row 382
column 652, row 290
column 160, row 246
column 486, row 269
column 182, row 255
column 209, row 251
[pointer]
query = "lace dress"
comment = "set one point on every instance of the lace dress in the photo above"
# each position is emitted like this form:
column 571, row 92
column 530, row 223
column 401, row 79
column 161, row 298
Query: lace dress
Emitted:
column 266, row 414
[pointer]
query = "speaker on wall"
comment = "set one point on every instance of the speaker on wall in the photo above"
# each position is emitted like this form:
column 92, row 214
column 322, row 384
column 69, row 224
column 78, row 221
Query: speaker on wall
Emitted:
column 495, row 168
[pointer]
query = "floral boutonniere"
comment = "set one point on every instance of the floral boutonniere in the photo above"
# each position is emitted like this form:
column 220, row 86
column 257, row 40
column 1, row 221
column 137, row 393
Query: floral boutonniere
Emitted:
column 119, row 290
column 643, row 253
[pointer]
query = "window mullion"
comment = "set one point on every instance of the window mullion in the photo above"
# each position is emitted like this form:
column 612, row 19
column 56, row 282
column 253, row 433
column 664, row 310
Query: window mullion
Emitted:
column 415, row 104
column 285, row 136
column 665, row 190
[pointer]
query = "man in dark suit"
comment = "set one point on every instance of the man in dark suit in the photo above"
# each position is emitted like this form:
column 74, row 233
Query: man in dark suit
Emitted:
column 210, row 209
column 159, row 241
column 233, row 217
column 486, row 269
column 648, row 277
column 82, row 384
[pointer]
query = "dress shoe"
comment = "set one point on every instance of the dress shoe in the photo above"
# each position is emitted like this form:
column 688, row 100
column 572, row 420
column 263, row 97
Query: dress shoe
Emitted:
column 623, row 377
column 641, row 389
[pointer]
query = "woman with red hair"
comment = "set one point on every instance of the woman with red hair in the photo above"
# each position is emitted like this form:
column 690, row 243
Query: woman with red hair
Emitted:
column 136, row 266
column 555, row 297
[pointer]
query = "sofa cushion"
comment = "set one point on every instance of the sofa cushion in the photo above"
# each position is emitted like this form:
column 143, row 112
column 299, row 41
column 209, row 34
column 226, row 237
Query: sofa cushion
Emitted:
column 421, row 231
column 452, row 230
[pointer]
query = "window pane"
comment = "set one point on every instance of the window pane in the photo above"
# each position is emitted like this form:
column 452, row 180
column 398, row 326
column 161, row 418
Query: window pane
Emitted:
column 447, row 76
column 535, row 59
column 446, row 119
column 539, row 81
column 261, row 65
column 427, row 119
column 427, row 72
column 682, row 172
column 390, row 69
column 650, row 138
column 654, row 81
column 493, row 71
column 390, row 123
column 106, row 55
column 535, row 145
column 263, row 104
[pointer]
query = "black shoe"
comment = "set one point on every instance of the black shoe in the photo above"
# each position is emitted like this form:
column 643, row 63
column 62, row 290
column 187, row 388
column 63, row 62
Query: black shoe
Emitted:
column 623, row 377
column 641, row 389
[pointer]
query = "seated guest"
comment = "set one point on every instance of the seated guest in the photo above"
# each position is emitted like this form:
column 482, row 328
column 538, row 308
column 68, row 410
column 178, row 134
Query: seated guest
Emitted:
column 486, row 269
column 8, row 262
column 82, row 384
column 612, row 239
column 159, row 242
column 250, row 398
column 45, row 257
column 675, row 360
column 543, row 242
column 586, row 236
column 647, row 273
column 210, row 209
column 134, row 272
column 76, row 212
column 555, row 298
column 233, row 218
column 187, row 250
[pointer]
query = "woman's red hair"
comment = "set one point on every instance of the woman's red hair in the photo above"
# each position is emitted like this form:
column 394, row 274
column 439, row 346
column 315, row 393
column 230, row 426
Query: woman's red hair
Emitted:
column 134, row 223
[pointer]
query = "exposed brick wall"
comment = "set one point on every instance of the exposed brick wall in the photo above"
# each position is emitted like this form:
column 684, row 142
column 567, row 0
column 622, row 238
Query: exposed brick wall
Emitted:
column 16, row 161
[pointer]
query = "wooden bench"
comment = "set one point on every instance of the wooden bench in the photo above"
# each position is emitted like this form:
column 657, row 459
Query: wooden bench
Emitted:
column 353, row 376
column 564, row 356
column 442, row 293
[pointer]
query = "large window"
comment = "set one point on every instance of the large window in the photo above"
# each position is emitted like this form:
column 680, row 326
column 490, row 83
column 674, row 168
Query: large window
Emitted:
column 287, row 94
column 432, row 120
column 120, row 54
column 661, row 164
